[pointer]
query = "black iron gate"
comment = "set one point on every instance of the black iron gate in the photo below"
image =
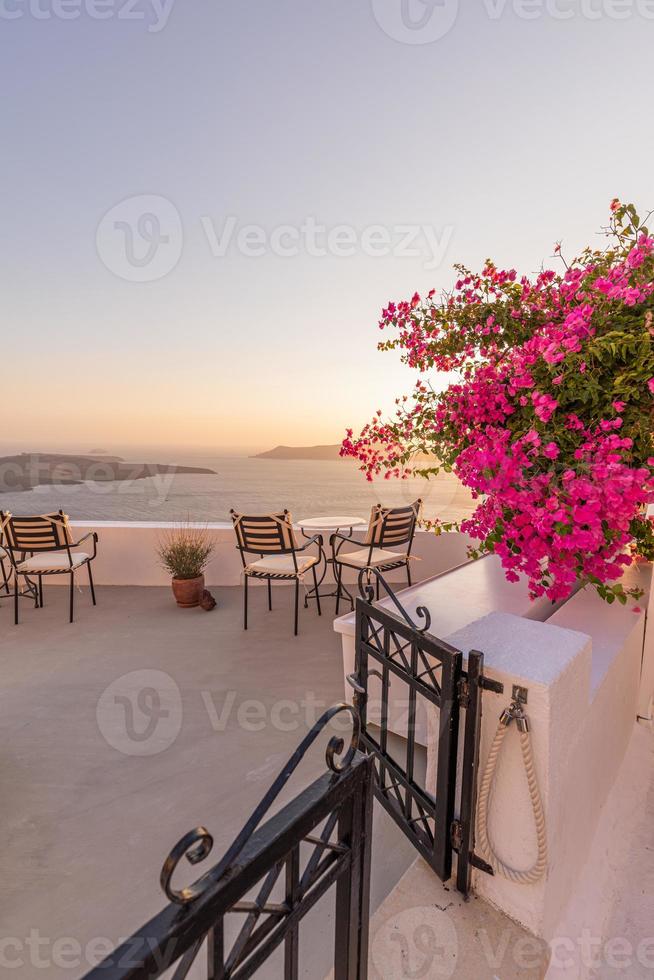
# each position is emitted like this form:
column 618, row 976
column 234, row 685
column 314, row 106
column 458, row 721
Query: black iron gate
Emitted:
column 320, row 840
column 394, row 649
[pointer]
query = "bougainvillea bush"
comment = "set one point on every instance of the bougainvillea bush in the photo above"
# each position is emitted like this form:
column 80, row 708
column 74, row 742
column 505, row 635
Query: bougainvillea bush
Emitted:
column 549, row 420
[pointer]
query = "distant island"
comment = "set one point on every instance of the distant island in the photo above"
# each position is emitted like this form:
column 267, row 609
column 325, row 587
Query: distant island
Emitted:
column 301, row 452
column 24, row 471
column 323, row 452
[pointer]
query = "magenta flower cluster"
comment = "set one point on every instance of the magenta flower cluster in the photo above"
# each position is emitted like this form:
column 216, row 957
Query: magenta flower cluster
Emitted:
column 550, row 420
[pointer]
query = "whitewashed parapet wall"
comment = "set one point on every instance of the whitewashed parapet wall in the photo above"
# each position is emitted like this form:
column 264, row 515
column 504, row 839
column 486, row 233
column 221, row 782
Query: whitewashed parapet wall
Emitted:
column 127, row 554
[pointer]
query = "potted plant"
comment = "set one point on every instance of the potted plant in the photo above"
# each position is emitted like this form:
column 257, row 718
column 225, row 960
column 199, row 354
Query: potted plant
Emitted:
column 184, row 552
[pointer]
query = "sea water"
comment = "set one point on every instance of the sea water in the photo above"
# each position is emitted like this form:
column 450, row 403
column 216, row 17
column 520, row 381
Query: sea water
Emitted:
column 307, row 488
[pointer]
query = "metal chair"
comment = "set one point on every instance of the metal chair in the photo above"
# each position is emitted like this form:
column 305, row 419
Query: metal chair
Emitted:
column 43, row 545
column 271, row 536
column 389, row 528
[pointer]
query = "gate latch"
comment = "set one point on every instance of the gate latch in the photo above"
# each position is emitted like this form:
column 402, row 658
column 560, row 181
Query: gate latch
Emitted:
column 485, row 683
column 353, row 681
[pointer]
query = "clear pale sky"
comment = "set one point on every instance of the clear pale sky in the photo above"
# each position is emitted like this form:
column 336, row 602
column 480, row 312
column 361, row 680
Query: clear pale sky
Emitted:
column 511, row 131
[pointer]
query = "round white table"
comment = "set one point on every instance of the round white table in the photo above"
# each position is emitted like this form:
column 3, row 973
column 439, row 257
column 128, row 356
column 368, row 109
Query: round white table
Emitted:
column 331, row 523
column 315, row 525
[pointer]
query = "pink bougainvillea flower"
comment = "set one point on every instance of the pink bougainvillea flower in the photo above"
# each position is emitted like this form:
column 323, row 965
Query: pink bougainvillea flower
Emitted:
column 560, row 466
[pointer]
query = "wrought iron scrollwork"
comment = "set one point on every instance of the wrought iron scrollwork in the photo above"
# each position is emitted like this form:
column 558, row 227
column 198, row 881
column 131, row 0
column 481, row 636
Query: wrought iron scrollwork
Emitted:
column 367, row 592
column 197, row 844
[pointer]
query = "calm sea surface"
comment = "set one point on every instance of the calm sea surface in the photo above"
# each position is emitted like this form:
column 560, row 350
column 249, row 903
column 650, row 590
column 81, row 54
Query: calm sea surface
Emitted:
column 306, row 487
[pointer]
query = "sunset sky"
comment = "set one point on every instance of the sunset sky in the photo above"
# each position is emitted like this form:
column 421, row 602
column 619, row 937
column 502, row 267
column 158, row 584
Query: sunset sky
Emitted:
column 500, row 137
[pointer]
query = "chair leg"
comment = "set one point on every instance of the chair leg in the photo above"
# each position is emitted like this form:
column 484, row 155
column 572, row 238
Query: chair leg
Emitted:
column 15, row 599
column 40, row 591
column 297, row 601
column 88, row 565
column 72, row 596
column 408, row 573
column 269, row 595
column 315, row 588
column 339, row 572
column 245, row 602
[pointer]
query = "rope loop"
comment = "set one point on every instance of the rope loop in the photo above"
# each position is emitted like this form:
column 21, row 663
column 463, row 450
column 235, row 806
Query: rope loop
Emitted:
column 527, row 877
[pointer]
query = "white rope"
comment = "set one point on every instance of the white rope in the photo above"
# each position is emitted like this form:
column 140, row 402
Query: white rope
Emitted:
column 536, row 872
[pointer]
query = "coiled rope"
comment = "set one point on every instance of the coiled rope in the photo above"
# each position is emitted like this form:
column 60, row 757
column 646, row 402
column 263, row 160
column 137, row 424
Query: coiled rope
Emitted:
column 536, row 872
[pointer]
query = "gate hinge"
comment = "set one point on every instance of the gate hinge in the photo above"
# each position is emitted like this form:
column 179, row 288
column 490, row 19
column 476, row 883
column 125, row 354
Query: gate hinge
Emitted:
column 456, row 839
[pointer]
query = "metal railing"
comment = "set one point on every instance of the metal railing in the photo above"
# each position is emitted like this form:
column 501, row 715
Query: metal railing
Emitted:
column 319, row 841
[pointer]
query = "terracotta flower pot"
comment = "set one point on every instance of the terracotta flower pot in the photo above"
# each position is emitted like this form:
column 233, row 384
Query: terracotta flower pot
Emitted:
column 188, row 591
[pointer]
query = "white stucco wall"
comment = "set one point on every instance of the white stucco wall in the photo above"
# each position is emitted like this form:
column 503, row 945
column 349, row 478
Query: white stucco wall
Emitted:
column 646, row 693
column 582, row 667
column 127, row 554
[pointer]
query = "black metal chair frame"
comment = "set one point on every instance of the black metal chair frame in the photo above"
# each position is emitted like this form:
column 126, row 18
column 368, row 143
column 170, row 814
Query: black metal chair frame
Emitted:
column 3, row 571
column 17, row 555
column 341, row 560
column 244, row 550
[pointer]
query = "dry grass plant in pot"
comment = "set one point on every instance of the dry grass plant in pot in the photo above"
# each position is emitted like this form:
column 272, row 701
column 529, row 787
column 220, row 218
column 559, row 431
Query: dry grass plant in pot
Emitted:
column 185, row 552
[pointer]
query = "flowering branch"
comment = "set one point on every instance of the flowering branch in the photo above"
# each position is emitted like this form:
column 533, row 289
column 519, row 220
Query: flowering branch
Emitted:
column 549, row 422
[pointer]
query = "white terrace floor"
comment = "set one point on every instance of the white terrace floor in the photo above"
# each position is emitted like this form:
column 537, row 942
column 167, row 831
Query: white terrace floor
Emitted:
column 86, row 824
column 86, row 821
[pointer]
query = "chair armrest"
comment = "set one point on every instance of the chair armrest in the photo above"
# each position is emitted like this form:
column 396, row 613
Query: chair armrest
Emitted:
column 91, row 534
column 337, row 534
column 344, row 539
column 316, row 539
